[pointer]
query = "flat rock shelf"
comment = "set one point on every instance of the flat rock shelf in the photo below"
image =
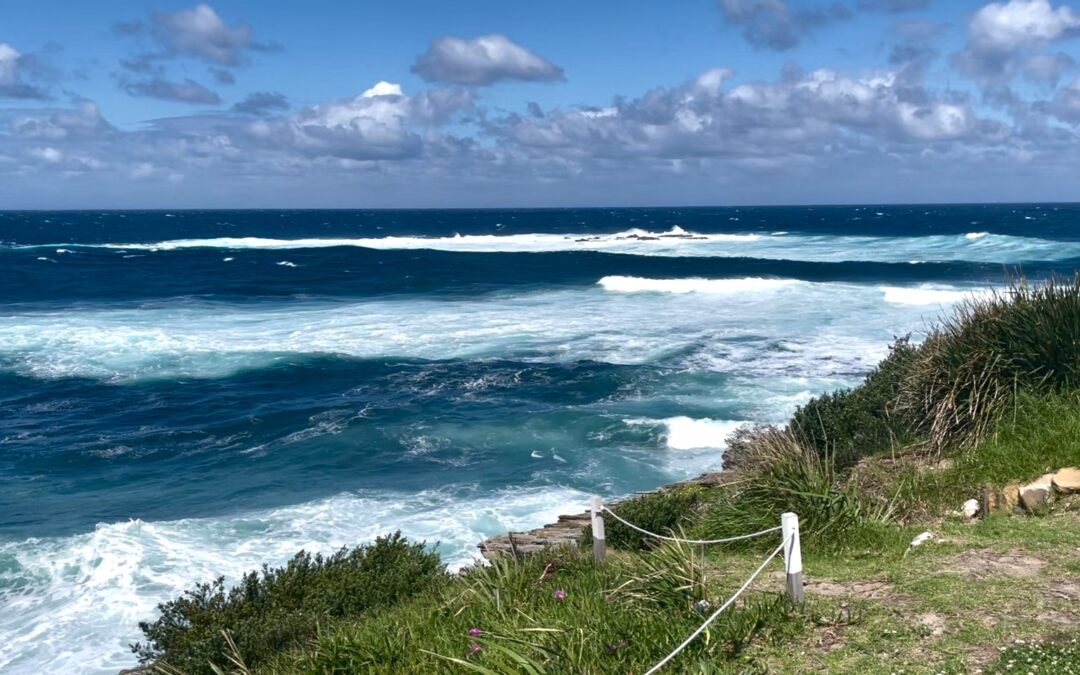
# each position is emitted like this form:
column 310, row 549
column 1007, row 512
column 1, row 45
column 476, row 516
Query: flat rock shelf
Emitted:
column 567, row 530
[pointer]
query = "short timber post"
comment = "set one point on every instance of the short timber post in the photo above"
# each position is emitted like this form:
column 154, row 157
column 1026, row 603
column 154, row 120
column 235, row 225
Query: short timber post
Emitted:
column 789, row 529
column 599, row 545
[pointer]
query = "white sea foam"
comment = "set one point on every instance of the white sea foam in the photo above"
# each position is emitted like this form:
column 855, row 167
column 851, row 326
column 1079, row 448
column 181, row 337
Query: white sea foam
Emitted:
column 685, row 433
column 779, row 245
column 927, row 294
column 73, row 604
column 694, row 285
column 698, row 443
column 817, row 329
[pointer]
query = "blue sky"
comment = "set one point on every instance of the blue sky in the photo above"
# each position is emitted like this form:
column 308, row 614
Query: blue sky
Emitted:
column 240, row 103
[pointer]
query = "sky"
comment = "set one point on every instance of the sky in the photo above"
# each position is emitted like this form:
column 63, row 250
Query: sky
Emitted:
column 501, row 103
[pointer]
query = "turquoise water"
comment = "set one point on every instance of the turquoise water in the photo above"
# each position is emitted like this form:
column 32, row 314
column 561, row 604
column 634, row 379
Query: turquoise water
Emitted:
column 190, row 394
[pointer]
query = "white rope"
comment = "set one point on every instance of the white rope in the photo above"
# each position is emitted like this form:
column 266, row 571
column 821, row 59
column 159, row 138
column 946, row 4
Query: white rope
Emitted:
column 689, row 541
column 717, row 613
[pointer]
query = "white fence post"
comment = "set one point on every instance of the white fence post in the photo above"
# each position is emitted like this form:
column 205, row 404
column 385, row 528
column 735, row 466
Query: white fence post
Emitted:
column 789, row 530
column 599, row 545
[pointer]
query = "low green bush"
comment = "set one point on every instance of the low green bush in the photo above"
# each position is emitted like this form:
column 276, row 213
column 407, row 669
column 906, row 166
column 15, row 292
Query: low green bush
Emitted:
column 851, row 423
column 661, row 512
column 276, row 609
column 550, row 613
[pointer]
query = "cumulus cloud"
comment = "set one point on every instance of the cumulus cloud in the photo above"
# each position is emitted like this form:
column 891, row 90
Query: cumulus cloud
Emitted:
column 1066, row 103
column 755, row 122
column 482, row 61
column 261, row 103
column 83, row 121
column 12, row 84
column 382, row 123
column 774, row 24
column 185, row 91
column 1004, row 37
column 198, row 34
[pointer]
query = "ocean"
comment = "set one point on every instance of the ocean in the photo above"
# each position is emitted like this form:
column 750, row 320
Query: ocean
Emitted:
column 195, row 393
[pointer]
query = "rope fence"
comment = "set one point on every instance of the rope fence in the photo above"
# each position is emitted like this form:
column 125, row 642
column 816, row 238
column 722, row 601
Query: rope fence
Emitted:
column 790, row 546
column 680, row 540
column 712, row 617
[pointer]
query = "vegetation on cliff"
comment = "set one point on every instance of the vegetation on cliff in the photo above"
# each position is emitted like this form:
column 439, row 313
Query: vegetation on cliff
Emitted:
column 988, row 398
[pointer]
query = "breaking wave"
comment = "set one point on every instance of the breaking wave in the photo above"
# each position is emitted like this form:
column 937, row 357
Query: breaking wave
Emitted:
column 777, row 245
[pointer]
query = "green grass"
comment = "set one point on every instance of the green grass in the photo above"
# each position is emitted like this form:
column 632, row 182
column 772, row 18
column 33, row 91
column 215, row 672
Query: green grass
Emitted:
column 660, row 512
column 1059, row 656
column 1037, row 436
column 555, row 614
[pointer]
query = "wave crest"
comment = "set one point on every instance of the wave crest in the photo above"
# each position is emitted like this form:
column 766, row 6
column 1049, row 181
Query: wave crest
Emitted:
column 621, row 284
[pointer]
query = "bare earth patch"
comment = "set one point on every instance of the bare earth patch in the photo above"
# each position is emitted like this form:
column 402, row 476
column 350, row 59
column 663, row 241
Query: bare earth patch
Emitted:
column 869, row 590
column 982, row 563
column 934, row 623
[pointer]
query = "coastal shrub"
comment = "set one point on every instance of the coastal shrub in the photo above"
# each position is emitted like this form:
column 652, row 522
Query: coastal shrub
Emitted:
column 788, row 476
column 277, row 608
column 554, row 612
column 970, row 369
column 851, row 423
column 660, row 512
column 1039, row 434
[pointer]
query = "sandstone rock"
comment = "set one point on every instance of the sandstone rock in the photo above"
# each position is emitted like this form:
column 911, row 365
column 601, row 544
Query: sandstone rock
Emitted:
column 1033, row 498
column 1067, row 481
column 970, row 509
column 1010, row 497
column 1037, row 493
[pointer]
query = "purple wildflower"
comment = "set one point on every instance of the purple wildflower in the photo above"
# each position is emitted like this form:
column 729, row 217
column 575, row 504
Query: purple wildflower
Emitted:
column 475, row 632
column 613, row 648
column 475, row 648
column 560, row 594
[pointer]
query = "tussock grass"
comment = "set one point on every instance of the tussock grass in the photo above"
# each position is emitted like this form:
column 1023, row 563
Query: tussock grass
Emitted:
column 1037, row 435
column 783, row 474
column 556, row 613
column 969, row 370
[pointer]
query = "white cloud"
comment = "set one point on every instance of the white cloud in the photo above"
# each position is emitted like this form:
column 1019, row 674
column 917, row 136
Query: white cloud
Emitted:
column 11, row 81
column 934, row 122
column 383, row 88
column 9, row 64
column 379, row 123
column 1066, row 103
column 482, row 61
column 47, row 154
column 1007, row 38
column 1006, row 26
column 201, row 33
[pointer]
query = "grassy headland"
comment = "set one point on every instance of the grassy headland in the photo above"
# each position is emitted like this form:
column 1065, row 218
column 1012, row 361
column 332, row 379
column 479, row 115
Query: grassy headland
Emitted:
column 990, row 397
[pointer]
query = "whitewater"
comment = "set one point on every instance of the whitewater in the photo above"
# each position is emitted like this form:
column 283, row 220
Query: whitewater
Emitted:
column 195, row 394
column 781, row 245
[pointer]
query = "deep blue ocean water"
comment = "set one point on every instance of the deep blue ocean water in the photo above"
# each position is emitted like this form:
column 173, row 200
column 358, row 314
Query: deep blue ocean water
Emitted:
column 193, row 393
